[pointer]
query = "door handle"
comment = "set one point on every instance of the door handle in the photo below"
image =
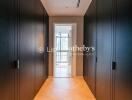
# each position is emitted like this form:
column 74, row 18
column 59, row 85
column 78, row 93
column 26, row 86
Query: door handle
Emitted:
column 114, row 64
column 17, row 64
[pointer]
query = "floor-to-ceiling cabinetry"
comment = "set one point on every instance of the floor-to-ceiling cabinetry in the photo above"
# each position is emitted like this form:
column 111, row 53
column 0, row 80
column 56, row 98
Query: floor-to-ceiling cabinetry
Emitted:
column 123, row 50
column 90, row 41
column 112, row 65
column 7, row 47
column 104, row 49
column 23, row 43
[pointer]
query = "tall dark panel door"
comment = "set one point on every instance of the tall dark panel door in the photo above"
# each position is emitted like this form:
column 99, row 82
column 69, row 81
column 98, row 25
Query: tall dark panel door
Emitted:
column 85, row 64
column 39, row 30
column 114, row 50
column 90, row 41
column 7, row 49
column 123, row 50
column 4, row 52
column 23, row 59
column 104, row 49
column 26, row 49
column 46, row 39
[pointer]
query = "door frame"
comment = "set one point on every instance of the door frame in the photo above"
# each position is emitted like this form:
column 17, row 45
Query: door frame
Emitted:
column 74, row 42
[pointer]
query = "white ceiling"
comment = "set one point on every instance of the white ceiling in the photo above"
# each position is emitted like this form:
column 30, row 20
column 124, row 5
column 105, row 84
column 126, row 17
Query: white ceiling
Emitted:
column 66, row 7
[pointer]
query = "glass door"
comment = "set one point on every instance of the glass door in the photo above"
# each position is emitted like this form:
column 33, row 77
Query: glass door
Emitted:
column 63, row 54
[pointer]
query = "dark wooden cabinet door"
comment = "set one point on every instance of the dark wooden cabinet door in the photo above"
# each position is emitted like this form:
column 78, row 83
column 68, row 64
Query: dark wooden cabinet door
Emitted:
column 123, row 37
column 46, row 39
column 47, row 45
column 4, row 52
column 32, row 40
column 85, row 68
column 104, row 49
column 90, row 41
column 7, row 48
column 22, row 39
column 39, row 31
column 26, row 49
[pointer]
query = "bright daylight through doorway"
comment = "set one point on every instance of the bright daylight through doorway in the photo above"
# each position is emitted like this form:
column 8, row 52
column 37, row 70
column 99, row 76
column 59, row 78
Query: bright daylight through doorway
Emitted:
column 62, row 54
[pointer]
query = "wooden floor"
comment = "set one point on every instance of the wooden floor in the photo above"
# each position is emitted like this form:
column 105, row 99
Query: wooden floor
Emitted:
column 64, row 89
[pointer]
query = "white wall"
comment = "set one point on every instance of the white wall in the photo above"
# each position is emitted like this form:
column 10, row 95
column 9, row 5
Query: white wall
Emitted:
column 79, row 58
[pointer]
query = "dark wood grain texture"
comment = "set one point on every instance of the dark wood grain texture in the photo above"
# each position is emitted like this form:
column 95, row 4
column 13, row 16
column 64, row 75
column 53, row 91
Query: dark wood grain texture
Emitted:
column 23, row 37
column 104, row 49
column 123, row 51
column 114, row 39
column 90, row 41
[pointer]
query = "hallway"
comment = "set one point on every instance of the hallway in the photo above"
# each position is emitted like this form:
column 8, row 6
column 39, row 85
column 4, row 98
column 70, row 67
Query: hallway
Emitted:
column 65, row 50
column 65, row 89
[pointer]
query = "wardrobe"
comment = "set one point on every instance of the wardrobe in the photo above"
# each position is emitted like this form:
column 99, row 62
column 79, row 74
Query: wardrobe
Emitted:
column 23, row 43
column 90, row 41
column 108, row 28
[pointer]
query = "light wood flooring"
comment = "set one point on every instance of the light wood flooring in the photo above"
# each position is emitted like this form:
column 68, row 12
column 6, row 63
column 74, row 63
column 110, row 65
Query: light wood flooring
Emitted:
column 65, row 89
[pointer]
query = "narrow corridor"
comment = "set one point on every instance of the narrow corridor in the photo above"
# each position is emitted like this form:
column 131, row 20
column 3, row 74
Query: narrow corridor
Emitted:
column 65, row 89
column 65, row 50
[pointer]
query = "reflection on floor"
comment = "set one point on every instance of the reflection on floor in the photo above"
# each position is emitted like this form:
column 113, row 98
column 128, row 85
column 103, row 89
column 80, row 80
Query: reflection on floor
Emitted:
column 64, row 89
column 62, row 72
